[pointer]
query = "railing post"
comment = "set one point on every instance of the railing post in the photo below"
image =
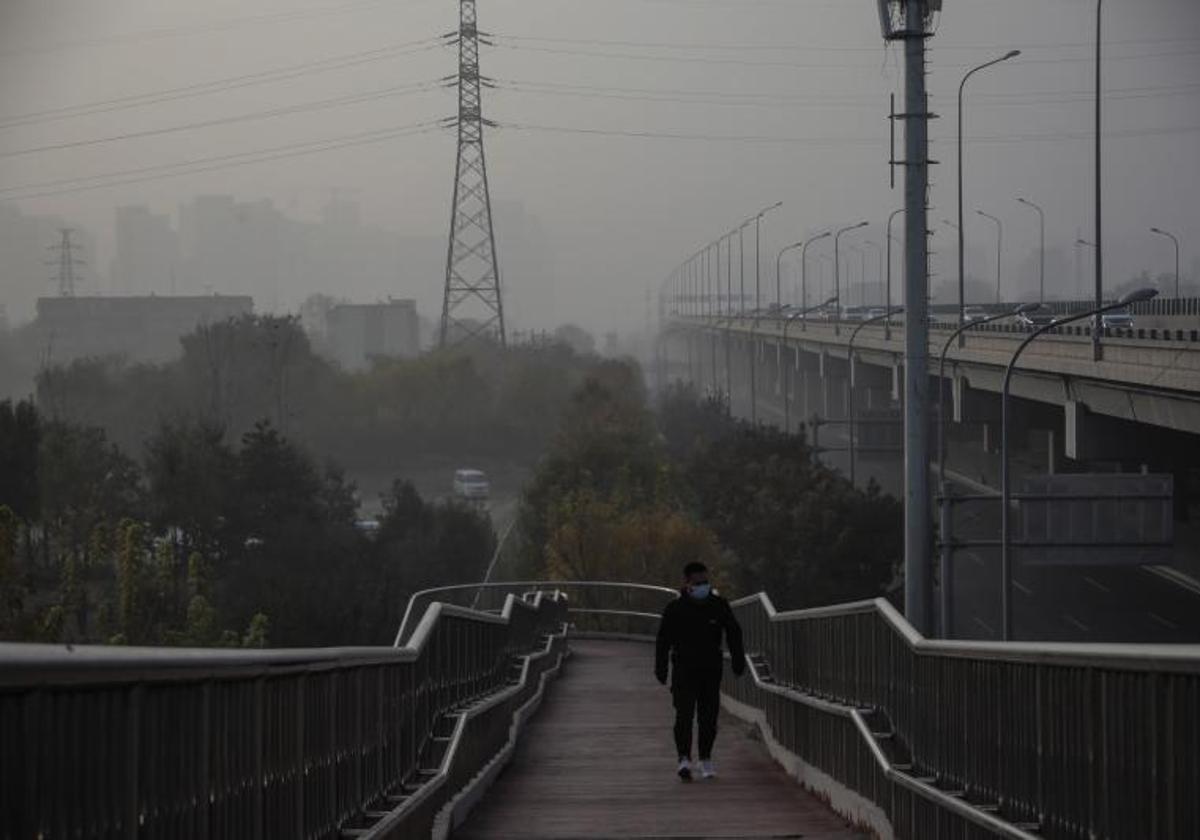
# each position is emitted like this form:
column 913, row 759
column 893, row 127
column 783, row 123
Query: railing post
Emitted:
column 133, row 722
column 301, row 756
column 204, row 771
column 946, row 557
column 258, row 796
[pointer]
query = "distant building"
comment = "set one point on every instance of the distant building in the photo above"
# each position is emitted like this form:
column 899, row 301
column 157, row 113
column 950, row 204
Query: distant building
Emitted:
column 358, row 333
column 141, row 329
column 147, row 253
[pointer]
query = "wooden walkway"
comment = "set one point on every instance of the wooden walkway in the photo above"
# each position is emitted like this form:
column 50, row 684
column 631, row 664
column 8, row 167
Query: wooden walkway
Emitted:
column 598, row 762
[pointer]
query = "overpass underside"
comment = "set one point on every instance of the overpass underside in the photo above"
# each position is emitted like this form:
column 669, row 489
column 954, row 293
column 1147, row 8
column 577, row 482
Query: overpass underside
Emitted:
column 1135, row 411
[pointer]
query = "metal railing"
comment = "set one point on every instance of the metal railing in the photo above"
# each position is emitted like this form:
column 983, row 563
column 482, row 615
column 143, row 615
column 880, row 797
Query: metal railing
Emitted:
column 595, row 608
column 959, row 739
column 174, row 743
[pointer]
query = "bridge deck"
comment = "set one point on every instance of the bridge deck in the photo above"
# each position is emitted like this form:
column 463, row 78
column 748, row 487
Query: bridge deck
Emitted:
column 598, row 762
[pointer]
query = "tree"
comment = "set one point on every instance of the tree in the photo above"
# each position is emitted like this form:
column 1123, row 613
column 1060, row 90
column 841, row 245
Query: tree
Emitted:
column 795, row 527
column 20, row 433
column 577, row 338
column 189, row 469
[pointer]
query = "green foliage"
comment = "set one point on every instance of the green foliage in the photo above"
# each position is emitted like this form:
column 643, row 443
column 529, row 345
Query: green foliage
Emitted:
column 20, row 432
column 798, row 529
column 257, row 633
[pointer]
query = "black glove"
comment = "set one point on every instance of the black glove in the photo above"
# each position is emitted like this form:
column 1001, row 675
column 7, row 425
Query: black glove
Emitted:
column 661, row 676
column 739, row 667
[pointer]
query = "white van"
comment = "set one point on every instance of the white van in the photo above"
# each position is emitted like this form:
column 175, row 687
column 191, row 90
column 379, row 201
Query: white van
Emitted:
column 472, row 485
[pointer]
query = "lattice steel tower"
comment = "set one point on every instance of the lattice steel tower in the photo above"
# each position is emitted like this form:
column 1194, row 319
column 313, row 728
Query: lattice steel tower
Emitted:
column 66, row 262
column 472, row 305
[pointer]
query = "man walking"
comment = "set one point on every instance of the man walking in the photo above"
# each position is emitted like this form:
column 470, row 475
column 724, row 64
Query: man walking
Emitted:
column 690, row 633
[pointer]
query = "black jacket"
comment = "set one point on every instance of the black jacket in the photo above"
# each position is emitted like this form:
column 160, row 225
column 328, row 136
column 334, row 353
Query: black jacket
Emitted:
column 690, row 633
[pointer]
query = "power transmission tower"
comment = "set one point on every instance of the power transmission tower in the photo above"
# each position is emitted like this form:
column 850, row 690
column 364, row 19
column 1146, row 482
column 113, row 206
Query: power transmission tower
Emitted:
column 472, row 305
column 66, row 263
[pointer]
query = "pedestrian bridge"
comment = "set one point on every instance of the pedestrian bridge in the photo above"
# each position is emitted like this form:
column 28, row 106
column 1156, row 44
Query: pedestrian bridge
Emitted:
column 529, row 710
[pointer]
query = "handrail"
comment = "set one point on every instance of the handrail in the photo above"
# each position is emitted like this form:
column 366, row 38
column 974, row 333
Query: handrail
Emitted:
column 1132, row 655
column 528, row 585
column 1031, row 733
column 135, row 740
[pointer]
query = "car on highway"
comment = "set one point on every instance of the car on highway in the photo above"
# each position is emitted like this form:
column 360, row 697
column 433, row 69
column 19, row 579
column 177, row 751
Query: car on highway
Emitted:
column 854, row 313
column 1036, row 319
column 1118, row 319
column 472, row 485
column 972, row 314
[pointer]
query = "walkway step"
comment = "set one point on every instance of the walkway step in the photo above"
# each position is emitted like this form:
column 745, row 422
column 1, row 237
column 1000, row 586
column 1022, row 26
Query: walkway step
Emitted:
column 597, row 761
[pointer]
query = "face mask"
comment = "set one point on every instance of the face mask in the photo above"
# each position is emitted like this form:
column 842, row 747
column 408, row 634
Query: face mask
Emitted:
column 700, row 591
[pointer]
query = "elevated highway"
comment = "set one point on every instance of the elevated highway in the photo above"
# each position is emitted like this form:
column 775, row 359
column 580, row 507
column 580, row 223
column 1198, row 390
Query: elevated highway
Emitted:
column 1149, row 377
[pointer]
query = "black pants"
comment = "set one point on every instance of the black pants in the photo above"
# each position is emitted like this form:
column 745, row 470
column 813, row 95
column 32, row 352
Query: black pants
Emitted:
column 697, row 694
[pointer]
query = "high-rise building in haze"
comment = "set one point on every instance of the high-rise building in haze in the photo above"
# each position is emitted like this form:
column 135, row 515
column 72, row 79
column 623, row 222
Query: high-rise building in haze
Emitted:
column 147, row 253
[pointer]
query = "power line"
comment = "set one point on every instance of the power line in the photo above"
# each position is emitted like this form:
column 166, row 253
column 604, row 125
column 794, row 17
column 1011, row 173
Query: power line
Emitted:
column 838, row 141
column 793, row 64
column 798, row 47
column 695, row 97
column 220, row 85
column 199, row 29
column 171, row 170
column 353, row 99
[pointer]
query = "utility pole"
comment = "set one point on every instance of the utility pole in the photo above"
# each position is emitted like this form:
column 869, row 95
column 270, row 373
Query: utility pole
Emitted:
column 66, row 262
column 472, row 270
column 908, row 21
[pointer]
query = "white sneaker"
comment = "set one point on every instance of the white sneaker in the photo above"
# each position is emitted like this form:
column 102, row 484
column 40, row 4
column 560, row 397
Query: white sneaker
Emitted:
column 685, row 769
column 708, row 770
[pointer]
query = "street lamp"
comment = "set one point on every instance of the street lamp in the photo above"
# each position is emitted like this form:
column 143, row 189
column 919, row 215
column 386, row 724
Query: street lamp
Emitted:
column 1081, row 243
column 1041, row 249
column 961, row 242
column 1005, row 491
column 1172, row 237
column 755, row 220
column 1099, row 324
column 804, row 275
column 999, row 248
column 862, row 272
column 945, row 571
column 888, row 324
column 787, row 380
column 779, row 266
column 837, row 273
column 850, row 363
column 879, row 262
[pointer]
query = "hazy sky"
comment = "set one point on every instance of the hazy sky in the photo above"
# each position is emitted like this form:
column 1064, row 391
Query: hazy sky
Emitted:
column 803, row 84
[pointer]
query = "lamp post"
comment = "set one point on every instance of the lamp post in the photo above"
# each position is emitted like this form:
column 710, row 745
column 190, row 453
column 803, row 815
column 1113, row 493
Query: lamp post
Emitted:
column 945, row 569
column 961, row 242
column 1081, row 243
column 755, row 220
column 862, row 272
column 1041, row 249
column 887, row 325
column 1097, row 328
column 787, row 380
column 999, row 249
column 1005, row 490
column 837, row 272
column 757, row 260
column 850, row 362
column 1172, row 237
column 804, row 275
column 879, row 263
column 779, row 267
